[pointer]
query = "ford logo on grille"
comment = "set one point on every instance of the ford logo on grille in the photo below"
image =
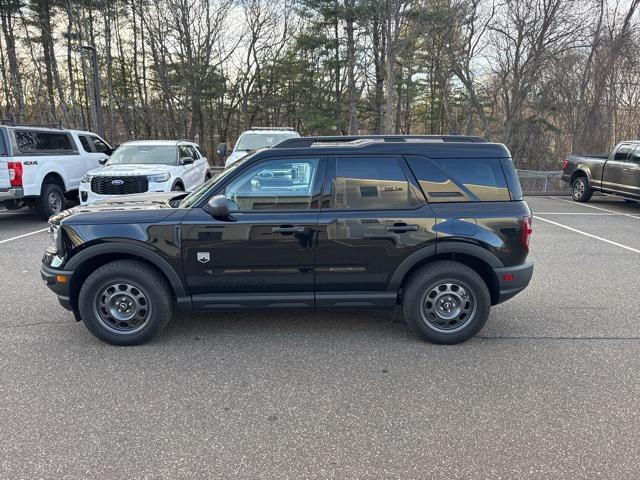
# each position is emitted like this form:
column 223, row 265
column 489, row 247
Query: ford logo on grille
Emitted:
column 117, row 182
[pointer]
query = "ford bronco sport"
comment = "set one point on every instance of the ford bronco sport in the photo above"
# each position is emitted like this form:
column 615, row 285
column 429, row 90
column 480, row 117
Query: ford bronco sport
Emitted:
column 435, row 225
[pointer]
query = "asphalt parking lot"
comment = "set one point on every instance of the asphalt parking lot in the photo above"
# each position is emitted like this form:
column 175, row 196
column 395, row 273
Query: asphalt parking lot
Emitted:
column 550, row 388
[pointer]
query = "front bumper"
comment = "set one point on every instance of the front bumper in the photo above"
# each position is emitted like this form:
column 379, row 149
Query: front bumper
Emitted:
column 87, row 196
column 513, row 280
column 53, row 279
column 13, row 193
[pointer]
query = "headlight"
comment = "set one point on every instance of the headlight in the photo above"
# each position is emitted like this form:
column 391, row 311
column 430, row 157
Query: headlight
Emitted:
column 86, row 179
column 55, row 237
column 161, row 177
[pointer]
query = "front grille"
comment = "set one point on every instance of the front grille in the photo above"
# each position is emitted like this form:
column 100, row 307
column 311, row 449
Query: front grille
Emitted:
column 105, row 185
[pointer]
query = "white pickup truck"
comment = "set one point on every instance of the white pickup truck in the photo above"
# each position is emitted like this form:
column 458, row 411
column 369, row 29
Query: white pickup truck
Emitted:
column 41, row 167
column 255, row 139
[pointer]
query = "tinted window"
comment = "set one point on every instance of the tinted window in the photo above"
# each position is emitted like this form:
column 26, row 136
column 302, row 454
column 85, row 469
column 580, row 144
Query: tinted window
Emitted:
column 371, row 183
column 84, row 140
column 188, row 151
column 200, row 151
column 283, row 184
column 623, row 152
column 635, row 155
column 100, row 145
column 28, row 141
column 461, row 180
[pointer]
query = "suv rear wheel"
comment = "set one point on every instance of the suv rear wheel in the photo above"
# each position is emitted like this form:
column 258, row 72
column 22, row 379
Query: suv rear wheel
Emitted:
column 50, row 202
column 125, row 303
column 446, row 302
column 580, row 189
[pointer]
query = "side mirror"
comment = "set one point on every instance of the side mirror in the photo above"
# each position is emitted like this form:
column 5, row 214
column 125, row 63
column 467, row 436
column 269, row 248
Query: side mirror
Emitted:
column 186, row 161
column 219, row 207
column 222, row 150
column 102, row 161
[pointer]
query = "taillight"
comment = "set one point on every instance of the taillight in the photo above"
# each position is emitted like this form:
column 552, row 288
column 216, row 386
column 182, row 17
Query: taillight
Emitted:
column 525, row 232
column 15, row 174
column 565, row 164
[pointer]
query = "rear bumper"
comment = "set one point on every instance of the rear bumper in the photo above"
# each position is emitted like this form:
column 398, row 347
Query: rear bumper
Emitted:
column 513, row 280
column 52, row 277
column 13, row 193
column 566, row 178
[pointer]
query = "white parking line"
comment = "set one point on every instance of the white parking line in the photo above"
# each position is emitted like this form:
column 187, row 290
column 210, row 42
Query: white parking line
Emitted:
column 611, row 242
column 630, row 215
column 579, row 213
column 22, row 236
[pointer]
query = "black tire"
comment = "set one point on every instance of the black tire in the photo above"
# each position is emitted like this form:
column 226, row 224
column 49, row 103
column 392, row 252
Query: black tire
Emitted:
column 134, row 283
column 460, row 292
column 50, row 202
column 581, row 189
column 177, row 187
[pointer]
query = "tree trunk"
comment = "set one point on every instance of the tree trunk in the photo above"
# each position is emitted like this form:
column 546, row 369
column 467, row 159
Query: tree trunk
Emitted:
column 351, row 68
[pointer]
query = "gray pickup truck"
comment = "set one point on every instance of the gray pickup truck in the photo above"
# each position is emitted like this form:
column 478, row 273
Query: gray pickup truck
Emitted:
column 617, row 174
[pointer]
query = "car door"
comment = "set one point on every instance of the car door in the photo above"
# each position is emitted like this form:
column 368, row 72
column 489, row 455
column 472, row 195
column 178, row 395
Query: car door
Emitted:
column 101, row 151
column 188, row 171
column 616, row 169
column 631, row 176
column 202, row 166
column 263, row 254
column 373, row 217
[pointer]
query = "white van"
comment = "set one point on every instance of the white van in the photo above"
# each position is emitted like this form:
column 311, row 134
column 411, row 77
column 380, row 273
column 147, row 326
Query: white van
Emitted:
column 40, row 167
column 255, row 139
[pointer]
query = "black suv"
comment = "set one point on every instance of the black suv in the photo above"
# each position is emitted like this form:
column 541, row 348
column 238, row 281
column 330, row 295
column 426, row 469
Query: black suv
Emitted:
column 436, row 225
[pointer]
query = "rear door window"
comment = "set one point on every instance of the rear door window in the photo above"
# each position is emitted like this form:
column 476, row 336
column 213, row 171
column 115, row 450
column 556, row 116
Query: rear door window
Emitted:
column 623, row 152
column 461, row 180
column 85, row 142
column 371, row 183
column 635, row 156
column 35, row 142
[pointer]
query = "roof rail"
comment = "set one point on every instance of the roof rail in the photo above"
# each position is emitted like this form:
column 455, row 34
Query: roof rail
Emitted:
column 273, row 128
column 11, row 123
column 356, row 140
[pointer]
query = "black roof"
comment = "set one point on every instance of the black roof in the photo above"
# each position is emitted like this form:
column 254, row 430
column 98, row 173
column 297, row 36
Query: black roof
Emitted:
column 428, row 145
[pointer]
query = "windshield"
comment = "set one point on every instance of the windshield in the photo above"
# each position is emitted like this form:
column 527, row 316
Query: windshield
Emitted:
column 144, row 155
column 203, row 189
column 254, row 141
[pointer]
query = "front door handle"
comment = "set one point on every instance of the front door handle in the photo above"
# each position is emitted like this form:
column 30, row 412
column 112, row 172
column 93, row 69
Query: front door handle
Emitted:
column 401, row 228
column 287, row 230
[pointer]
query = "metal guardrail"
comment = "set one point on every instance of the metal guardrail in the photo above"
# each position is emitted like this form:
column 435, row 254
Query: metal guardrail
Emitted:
column 542, row 182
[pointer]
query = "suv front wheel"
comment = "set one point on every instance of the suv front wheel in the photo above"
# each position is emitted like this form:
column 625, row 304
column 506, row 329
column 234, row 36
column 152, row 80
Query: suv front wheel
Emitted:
column 446, row 302
column 125, row 303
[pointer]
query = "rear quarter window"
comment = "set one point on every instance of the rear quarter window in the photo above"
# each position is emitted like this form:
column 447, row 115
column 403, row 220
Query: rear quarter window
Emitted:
column 461, row 179
column 34, row 142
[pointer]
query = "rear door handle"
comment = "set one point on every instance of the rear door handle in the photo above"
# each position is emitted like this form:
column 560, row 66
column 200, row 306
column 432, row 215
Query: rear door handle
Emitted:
column 287, row 230
column 401, row 228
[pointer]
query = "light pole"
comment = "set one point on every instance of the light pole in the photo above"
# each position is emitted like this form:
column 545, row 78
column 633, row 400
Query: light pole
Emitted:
column 96, row 88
